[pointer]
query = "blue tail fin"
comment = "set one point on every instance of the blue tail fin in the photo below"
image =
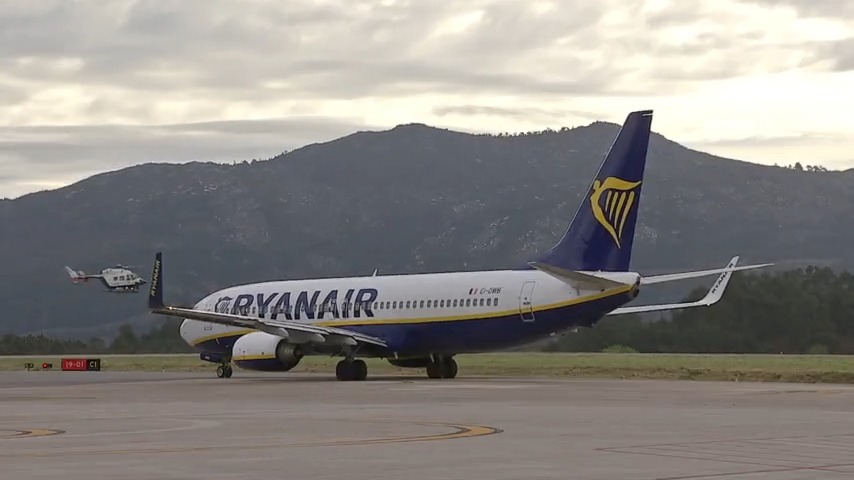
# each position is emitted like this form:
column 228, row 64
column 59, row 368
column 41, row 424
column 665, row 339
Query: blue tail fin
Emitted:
column 602, row 231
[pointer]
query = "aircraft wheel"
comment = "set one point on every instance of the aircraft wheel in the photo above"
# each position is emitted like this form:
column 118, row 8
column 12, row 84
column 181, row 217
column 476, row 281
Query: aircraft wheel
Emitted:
column 345, row 371
column 228, row 371
column 434, row 369
column 348, row 370
column 446, row 367
column 361, row 370
column 450, row 368
column 220, row 371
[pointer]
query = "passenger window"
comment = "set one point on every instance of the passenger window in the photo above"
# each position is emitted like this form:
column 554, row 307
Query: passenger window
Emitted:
column 421, row 305
column 495, row 301
column 455, row 302
column 407, row 304
column 394, row 304
column 468, row 302
column 481, row 302
column 442, row 303
column 428, row 303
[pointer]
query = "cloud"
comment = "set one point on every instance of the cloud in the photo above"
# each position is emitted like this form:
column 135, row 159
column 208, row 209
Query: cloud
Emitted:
column 33, row 158
column 801, row 139
column 110, row 54
column 813, row 8
column 131, row 67
column 842, row 54
column 536, row 114
column 829, row 150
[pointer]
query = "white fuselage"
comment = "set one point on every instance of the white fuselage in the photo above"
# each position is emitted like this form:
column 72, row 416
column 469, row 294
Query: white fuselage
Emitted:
column 461, row 311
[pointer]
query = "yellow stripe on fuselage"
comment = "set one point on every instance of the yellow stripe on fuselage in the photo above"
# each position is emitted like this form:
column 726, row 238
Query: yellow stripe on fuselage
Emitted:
column 453, row 318
column 477, row 316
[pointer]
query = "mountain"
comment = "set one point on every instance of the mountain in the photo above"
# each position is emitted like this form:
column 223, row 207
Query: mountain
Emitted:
column 410, row 199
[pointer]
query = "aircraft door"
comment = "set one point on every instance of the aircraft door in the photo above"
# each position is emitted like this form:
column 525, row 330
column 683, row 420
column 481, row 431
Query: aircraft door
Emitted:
column 526, row 299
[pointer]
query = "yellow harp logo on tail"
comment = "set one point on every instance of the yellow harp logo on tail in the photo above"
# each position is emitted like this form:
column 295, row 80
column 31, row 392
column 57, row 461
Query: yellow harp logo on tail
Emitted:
column 612, row 200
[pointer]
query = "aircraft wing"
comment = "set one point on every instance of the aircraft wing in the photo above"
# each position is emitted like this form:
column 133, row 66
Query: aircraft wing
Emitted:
column 282, row 328
column 713, row 296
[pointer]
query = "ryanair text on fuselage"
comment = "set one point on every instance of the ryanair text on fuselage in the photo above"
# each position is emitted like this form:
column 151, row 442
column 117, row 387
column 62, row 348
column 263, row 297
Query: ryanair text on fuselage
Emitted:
column 295, row 305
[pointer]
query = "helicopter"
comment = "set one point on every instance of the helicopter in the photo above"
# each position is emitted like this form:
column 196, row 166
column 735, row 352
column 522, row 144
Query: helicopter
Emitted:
column 117, row 279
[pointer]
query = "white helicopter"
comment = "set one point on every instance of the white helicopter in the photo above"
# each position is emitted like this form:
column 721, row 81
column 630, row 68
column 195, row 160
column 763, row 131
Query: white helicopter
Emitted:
column 117, row 279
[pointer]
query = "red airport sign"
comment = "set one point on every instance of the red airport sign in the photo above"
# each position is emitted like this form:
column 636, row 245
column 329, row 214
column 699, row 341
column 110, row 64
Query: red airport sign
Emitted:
column 81, row 364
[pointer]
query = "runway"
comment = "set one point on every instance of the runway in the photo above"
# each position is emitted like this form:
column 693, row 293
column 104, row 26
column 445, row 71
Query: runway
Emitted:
column 84, row 425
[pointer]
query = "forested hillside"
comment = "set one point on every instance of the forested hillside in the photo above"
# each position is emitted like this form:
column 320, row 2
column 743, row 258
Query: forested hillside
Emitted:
column 410, row 199
column 799, row 311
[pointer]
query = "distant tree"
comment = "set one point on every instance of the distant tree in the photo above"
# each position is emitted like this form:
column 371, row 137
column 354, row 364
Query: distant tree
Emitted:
column 126, row 341
column 96, row 345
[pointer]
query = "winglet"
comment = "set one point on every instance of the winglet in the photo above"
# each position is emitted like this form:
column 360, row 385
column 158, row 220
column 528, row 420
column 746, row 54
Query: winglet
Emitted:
column 715, row 293
column 713, row 296
column 155, row 291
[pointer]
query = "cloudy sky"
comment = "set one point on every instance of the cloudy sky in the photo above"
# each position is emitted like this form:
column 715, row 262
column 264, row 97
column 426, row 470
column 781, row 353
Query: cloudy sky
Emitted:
column 92, row 86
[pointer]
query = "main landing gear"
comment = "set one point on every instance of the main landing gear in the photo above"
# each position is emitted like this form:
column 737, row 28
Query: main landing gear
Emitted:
column 350, row 369
column 224, row 371
column 441, row 367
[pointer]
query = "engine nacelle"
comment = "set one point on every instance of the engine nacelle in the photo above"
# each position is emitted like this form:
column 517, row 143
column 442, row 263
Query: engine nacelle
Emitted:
column 265, row 352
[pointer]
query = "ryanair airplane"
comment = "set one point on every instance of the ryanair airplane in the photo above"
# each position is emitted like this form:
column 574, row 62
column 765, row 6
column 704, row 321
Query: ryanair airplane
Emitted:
column 423, row 320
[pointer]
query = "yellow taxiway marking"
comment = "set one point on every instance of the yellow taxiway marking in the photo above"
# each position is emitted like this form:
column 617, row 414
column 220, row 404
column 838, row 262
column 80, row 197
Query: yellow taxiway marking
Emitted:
column 40, row 432
column 457, row 431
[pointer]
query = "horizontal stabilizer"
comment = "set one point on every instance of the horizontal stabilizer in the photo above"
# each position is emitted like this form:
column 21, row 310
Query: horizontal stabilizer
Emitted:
column 670, row 277
column 713, row 296
column 576, row 279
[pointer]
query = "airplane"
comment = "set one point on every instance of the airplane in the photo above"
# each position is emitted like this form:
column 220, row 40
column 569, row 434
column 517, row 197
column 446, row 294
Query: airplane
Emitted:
column 424, row 320
column 117, row 279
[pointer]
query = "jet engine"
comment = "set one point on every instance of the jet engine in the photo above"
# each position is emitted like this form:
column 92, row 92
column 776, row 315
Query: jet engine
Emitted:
column 265, row 352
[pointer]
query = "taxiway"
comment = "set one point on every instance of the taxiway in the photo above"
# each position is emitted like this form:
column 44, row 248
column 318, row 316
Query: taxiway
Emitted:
column 83, row 425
